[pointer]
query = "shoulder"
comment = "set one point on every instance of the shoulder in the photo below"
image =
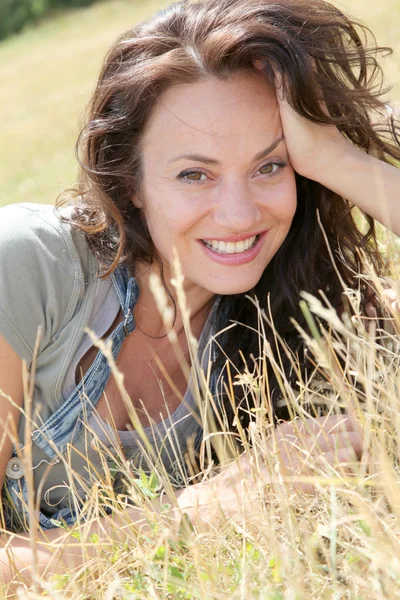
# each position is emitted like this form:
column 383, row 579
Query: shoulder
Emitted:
column 26, row 216
column 45, row 267
column 36, row 233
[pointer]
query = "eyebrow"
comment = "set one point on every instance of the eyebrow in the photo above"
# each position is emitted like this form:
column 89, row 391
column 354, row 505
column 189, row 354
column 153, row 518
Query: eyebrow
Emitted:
column 212, row 161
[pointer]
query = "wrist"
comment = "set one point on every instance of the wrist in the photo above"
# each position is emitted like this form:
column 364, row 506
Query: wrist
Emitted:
column 188, row 505
column 195, row 505
column 335, row 158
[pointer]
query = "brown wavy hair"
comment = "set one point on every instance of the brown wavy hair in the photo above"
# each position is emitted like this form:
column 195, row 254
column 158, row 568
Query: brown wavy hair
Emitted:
column 322, row 55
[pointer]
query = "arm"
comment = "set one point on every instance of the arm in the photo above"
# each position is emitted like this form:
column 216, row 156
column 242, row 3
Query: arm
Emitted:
column 321, row 153
column 62, row 550
column 369, row 183
column 11, row 386
column 237, row 491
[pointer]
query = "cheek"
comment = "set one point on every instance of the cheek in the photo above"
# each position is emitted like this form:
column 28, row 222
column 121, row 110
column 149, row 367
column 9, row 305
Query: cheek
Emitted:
column 156, row 210
column 168, row 220
column 289, row 203
column 284, row 203
column 176, row 216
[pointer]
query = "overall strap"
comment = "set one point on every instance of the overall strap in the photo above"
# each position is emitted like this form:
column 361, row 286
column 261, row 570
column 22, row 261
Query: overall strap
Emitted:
column 66, row 423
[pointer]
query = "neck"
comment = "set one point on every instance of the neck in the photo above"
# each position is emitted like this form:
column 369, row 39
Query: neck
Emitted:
column 147, row 315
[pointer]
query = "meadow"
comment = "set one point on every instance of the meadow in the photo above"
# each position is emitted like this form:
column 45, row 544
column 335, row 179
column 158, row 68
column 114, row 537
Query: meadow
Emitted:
column 48, row 73
column 340, row 542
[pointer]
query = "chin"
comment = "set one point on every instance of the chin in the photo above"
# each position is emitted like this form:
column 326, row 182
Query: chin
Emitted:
column 233, row 288
column 234, row 291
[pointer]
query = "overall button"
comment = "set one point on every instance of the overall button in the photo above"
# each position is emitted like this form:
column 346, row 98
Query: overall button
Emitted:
column 15, row 468
column 111, row 457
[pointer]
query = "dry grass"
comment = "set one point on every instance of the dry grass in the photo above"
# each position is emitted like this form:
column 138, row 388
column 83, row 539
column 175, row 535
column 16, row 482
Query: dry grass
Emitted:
column 341, row 541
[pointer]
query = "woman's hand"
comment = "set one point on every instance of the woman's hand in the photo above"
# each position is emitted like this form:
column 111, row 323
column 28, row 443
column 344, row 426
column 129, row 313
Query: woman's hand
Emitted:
column 299, row 448
column 313, row 148
column 322, row 153
column 315, row 446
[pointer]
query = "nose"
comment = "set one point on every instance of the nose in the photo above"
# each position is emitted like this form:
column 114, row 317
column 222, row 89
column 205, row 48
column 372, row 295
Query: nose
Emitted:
column 236, row 209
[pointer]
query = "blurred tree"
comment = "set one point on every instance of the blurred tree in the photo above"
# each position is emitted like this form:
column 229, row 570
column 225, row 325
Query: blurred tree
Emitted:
column 71, row 3
column 15, row 14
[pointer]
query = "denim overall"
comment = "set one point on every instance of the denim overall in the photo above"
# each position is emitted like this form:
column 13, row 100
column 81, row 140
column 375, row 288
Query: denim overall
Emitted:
column 65, row 424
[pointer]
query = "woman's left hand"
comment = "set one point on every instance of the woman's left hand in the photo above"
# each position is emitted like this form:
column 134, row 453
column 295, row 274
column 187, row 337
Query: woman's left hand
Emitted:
column 323, row 154
column 313, row 148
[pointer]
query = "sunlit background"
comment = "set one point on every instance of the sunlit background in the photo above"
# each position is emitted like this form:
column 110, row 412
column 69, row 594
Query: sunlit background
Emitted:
column 48, row 71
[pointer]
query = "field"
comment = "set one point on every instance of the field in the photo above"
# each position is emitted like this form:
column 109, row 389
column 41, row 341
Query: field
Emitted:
column 341, row 539
column 47, row 75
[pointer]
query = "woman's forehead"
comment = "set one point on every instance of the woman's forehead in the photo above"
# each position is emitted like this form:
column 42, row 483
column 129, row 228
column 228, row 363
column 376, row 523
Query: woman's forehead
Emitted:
column 214, row 110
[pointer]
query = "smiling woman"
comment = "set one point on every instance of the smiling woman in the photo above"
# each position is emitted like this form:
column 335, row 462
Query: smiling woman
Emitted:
column 239, row 134
column 232, row 203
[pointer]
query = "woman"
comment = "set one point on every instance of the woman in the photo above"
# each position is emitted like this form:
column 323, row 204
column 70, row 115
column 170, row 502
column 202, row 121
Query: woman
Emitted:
column 225, row 130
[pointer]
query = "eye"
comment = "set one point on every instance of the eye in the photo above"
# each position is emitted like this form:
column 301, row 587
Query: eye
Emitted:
column 272, row 168
column 193, row 176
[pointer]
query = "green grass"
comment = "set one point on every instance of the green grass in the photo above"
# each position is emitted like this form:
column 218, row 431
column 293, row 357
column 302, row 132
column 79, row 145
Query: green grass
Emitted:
column 48, row 72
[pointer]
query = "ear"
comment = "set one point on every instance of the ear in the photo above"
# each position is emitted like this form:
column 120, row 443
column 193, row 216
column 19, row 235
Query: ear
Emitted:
column 137, row 201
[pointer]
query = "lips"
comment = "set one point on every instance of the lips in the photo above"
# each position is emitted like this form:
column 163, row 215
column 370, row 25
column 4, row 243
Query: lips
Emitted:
column 231, row 252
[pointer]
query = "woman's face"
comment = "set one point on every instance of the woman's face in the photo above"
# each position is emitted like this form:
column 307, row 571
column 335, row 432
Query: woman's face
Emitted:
column 217, row 184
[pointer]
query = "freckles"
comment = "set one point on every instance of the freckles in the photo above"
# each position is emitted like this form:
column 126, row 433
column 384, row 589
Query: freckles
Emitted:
column 286, row 200
column 282, row 206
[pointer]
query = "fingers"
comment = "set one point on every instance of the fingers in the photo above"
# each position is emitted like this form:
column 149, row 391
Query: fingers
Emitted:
column 310, row 450
column 391, row 300
column 325, row 438
column 334, row 443
column 279, row 85
column 371, row 311
column 314, row 426
column 391, row 296
column 343, row 461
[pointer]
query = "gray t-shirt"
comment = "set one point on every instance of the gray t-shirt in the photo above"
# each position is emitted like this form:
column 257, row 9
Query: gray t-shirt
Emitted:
column 48, row 279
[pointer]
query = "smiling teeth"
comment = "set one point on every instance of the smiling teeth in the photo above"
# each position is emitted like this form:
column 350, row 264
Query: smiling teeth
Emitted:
column 231, row 247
